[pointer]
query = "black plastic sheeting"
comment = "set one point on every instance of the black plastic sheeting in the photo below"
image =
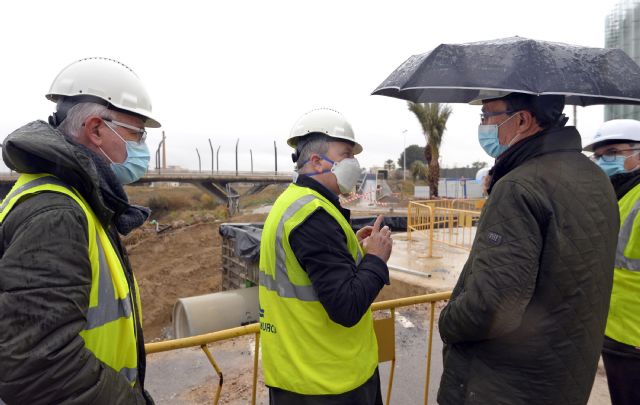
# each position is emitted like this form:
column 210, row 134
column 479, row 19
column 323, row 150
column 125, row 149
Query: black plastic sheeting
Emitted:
column 396, row 224
column 247, row 236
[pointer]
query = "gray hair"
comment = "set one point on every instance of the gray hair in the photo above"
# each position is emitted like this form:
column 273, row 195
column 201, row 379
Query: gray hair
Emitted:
column 77, row 116
column 310, row 144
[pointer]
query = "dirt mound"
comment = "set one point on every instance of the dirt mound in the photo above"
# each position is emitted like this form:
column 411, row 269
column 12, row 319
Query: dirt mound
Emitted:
column 182, row 261
column 173, row 264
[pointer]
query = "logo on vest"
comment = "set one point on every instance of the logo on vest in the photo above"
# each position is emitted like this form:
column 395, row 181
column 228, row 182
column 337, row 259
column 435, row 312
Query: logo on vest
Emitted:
column 267, row 327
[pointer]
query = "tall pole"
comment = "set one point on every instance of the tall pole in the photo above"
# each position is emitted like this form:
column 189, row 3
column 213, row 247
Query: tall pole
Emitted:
column 164, row 152
column 275, row 154
column 237, row 142
column 218, row 159
column 199, row 162
column 251, row 154
column 404, row 157
column 575, row 116
column 211, row 147
column 158, row 160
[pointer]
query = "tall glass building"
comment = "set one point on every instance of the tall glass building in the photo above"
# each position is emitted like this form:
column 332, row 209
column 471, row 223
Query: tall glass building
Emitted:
column 622, row 30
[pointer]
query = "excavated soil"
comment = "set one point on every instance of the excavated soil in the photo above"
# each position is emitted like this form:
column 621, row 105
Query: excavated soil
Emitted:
column 181, row 261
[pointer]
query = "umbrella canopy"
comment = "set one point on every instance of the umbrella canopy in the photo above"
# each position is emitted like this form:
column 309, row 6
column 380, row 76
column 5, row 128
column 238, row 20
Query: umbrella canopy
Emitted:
column 460, row 73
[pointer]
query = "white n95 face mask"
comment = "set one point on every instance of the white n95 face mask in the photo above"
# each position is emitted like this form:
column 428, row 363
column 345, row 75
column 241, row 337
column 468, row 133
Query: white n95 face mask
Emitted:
column 347, row 172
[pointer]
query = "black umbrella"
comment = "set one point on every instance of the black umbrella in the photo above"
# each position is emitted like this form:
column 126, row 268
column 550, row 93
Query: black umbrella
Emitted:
column 459, row 73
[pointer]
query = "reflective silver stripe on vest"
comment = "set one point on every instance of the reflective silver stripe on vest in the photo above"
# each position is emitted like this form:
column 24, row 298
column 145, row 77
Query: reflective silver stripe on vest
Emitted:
column 281, row 284
column 623, row 262
column 129, row 373
column 109, row 307
column 33, row 183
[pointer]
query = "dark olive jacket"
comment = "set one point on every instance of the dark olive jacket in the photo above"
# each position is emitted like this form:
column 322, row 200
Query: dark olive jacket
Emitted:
column 45, row 281
column 526, row 319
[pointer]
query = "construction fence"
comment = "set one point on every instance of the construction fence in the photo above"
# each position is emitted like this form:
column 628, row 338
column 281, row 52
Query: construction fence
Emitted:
column 449, row 221
column 384, row 327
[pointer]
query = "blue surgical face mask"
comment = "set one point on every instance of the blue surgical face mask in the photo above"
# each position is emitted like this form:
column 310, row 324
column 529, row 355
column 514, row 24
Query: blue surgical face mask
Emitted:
column 136, row 163
column 489, row 140
column 612, row 168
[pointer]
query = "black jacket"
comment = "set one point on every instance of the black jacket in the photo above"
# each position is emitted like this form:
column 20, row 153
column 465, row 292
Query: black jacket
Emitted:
column 346, row 291
column 526, row 319
column 45, row 280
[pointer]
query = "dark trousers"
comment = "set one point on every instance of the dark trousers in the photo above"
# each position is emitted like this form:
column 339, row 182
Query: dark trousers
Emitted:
column 623, row 377
column 367, row 394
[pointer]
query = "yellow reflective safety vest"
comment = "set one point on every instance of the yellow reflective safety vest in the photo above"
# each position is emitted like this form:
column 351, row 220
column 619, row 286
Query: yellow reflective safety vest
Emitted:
column 623, row 323
column 303, row 350
column 110, row 332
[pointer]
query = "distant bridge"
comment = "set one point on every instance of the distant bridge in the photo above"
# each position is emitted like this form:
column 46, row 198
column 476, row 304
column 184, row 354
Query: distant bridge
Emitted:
column 218, row 184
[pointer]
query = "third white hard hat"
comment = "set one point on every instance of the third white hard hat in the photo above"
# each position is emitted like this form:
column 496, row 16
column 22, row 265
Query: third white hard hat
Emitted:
column 324, row 121
column 615, row 130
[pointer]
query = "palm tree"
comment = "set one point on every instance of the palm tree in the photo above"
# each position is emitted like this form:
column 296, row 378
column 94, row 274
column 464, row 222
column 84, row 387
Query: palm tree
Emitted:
column 433, row 119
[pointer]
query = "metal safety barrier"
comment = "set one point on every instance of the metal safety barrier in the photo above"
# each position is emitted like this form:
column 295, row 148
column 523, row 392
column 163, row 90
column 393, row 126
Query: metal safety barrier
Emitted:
column 449, row 222
column 385, row 332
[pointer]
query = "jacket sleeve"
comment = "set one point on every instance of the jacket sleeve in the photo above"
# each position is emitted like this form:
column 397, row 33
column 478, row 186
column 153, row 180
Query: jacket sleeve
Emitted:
column 345, row 290
column 45, row 281
column 499, row 278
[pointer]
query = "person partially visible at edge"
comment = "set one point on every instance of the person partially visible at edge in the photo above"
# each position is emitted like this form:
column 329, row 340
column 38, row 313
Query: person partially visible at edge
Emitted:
column 70, row 330
column 616, row 148
column 318, row 278
column 525, row 321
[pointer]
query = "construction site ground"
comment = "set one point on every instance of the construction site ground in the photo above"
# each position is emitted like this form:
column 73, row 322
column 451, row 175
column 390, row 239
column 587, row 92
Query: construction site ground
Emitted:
column 184, row 259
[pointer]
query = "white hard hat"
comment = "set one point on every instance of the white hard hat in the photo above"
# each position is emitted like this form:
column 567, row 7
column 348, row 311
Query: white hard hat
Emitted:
column 480, row 174
column 105, row 79
column 616, row 130
column 488, row 94
column 323, row 121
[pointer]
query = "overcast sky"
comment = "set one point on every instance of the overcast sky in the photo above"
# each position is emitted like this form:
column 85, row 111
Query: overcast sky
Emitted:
column 248, row 69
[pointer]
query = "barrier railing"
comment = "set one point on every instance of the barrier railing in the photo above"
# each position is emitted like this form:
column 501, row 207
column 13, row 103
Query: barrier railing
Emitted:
column 385, row 332
column 450, row 222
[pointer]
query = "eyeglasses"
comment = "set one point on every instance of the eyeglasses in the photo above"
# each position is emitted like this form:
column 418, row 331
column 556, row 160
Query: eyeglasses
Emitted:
column 141, row 133
column 487, row 114
column 611, row 154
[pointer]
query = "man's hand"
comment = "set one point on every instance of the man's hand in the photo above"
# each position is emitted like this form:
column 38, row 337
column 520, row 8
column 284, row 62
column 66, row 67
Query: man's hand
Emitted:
column 364, row 233
column 377, row 241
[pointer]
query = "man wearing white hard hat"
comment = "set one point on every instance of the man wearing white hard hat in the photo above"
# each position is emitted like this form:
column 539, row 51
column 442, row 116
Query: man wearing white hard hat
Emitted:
column 318, row 278
column 616, row 149
column 71, row 317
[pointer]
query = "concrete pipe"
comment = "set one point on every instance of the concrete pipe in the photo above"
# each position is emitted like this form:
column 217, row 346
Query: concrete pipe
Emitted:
column 213, row 312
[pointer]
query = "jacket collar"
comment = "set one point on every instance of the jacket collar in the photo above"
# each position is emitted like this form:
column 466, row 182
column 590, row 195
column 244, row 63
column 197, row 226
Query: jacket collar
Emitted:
column 309, row 182
column 565, row 139
column 624, row 182
column 39, row 148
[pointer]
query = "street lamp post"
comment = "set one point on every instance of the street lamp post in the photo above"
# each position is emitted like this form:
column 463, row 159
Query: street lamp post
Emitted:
column 199, row 162
column 275, row 155
column 211, row 147
column 237, row 142
column 404, row 157
column 218, row 160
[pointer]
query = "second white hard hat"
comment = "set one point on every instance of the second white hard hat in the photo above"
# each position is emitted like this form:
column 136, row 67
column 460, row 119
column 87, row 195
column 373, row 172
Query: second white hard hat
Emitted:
column 105, row 79
column 616, row 130
column 324, row 121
